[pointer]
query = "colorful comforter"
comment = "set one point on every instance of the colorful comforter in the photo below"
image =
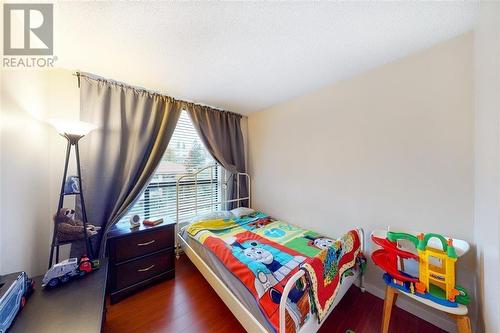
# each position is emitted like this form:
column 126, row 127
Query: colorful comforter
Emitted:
column 264, row 253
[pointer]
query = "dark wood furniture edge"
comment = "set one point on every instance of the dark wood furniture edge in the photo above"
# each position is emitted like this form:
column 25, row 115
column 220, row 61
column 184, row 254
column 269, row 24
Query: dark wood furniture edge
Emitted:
column 106, row 273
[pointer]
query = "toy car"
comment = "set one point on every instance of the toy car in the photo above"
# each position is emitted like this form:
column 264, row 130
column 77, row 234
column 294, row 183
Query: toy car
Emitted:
column 65, row 270
column 14, row 289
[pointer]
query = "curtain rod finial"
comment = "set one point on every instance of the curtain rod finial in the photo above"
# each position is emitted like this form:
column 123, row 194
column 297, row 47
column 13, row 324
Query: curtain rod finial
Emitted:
column 77, row 74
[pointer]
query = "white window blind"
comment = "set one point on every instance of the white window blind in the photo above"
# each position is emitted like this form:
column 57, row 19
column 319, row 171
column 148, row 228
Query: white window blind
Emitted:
column 185, row 154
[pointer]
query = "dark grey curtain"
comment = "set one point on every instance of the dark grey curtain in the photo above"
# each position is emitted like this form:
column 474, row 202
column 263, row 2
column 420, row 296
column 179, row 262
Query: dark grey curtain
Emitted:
column 119, row 158
column 221, row 134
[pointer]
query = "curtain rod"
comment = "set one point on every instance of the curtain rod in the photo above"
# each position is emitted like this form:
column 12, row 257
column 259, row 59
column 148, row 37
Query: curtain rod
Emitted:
column 124, row 85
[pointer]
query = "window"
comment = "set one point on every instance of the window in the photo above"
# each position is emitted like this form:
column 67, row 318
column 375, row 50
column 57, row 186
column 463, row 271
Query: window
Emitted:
column 185, row 154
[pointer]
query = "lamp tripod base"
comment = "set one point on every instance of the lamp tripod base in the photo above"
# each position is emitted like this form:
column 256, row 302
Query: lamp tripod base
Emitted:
column 72, row 140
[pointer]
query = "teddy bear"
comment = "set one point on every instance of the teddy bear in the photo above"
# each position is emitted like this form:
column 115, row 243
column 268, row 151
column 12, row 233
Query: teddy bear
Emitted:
column 69, row 228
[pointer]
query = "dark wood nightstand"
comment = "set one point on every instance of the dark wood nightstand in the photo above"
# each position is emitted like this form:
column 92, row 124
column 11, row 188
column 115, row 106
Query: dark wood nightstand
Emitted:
column 139, row 257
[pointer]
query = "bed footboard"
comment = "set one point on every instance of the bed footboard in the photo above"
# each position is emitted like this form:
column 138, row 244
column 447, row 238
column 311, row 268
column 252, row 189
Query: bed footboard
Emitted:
column 361, row 235
column 312, row 325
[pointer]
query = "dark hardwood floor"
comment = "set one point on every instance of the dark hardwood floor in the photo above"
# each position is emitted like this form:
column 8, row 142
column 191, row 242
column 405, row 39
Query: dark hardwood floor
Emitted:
column 188, row 304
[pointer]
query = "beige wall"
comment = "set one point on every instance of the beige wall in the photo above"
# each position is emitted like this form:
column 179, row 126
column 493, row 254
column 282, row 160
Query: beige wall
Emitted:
column 31, row 161
column 24, row 168
column 487, row 162
column 393, row 146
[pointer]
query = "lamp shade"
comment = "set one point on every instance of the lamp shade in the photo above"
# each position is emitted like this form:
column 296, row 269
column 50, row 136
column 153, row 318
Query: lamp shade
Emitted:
column 72, row 127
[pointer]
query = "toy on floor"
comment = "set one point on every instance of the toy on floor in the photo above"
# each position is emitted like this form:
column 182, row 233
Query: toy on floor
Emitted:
column 436, row 257
column 15, row 288
column 67, row 269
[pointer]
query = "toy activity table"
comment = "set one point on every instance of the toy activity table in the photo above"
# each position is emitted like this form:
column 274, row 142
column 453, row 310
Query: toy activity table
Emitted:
column 434, row 285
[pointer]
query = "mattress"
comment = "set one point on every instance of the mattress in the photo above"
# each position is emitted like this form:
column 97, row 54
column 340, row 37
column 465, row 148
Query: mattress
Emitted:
column 232, row 282
column 255, row 255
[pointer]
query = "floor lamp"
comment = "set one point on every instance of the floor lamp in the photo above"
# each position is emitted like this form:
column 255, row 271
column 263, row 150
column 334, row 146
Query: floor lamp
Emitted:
column 72, row 131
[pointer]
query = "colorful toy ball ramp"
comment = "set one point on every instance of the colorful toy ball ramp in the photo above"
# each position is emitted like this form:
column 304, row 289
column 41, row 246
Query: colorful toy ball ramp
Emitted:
column 436, row 256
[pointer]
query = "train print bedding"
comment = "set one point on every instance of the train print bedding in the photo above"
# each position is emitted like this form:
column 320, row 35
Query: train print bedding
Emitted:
column 263, row 253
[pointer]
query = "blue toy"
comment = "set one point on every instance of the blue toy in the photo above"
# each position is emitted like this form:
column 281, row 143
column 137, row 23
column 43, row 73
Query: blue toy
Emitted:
column 14, row 290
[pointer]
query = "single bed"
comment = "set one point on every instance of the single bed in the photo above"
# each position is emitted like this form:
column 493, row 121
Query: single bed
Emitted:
column 236, row 294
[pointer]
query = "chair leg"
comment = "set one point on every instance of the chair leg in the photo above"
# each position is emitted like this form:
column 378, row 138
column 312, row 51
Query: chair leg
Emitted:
column 463, row 324
column 391, row 295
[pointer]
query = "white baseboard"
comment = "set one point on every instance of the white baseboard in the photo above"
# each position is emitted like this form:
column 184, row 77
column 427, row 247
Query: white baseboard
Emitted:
column 445, row 323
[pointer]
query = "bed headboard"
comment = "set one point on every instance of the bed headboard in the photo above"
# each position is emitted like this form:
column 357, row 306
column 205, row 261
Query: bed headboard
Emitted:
column 200, row 187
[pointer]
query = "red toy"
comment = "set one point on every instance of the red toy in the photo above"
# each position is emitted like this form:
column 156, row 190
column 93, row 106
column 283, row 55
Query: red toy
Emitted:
column 387, row 258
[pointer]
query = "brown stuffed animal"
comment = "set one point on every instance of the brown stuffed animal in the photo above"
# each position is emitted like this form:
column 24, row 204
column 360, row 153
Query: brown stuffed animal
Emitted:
column 69, row 228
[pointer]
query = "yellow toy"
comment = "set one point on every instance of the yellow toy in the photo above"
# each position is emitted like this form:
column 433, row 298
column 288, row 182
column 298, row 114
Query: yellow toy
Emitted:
column 436, row 278
column 437, row 267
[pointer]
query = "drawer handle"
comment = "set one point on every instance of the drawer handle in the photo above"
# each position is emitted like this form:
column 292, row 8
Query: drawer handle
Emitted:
column 145, row 269
column 147, row 243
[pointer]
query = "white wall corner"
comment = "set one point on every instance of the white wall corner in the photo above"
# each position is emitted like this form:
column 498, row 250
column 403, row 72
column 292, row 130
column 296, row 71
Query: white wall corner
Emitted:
column 486, row 164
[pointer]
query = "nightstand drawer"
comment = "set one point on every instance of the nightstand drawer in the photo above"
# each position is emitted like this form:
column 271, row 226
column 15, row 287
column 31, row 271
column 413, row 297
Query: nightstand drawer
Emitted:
column 144, row 243
column 141, row 269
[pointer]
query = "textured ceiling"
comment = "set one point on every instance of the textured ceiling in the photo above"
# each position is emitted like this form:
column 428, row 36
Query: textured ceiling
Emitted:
column 247, row 56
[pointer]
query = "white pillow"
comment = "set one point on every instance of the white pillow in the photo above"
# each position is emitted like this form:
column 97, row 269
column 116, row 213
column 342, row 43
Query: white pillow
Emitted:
column 242, row 211
column 223, row 214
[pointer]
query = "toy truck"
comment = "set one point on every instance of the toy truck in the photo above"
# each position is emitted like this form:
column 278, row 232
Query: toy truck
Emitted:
column 67, row 269
column 14, row 289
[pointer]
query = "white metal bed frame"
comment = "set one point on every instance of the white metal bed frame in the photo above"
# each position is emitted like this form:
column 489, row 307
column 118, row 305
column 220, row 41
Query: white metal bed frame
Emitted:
column 245, row 317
